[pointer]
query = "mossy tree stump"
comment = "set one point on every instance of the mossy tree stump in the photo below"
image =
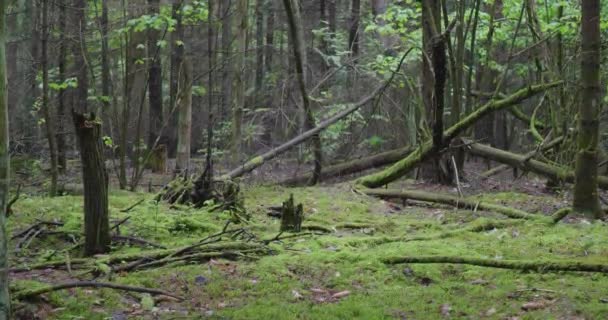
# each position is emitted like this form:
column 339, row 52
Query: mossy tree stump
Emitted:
column 292, row 216
column 158, row 159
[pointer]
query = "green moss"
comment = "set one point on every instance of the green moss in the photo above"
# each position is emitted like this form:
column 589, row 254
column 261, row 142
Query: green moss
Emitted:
column 266, row 288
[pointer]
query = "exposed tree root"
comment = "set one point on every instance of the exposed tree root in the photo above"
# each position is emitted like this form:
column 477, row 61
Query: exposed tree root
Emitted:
column 426, row 149
column 535, row 266
column 26, row 294
column 463, row 203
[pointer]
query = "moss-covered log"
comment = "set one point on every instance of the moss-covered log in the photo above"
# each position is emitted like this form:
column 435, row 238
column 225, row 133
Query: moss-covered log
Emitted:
column 480, row 225
column 426, row 150
column 354, row 166
column 535, row 266
column 554, row 143
column 522, row 162
column 463, row 203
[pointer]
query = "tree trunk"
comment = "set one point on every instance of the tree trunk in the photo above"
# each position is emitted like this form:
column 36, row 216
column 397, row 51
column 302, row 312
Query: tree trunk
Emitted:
column 95, row 182
column 5, row 300
column 228, row 68
column 259, row 49
column 79, row 50
column 353, row 32
column 61, row 94
column 177, row 54
column 184, row 129
column 240, row 82
column 49, row 119
column 586, row 198
column 297, row 35
column 155, row 79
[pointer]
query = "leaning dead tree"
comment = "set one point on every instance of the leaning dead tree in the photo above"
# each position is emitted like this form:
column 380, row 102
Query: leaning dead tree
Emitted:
column 183, row 190
column 258, row 161
column 428, row 150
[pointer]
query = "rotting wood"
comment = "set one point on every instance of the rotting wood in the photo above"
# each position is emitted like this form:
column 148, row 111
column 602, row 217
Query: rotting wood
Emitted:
column 292, row 216
column 354, row 166
column 26, row 294
column 521, row 162
column 524, row 265
column 463, row 203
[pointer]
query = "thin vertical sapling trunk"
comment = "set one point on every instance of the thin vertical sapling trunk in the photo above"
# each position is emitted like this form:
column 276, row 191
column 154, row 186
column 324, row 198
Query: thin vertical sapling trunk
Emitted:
column 184, row 128
column 5, row 300
column 49, row 119
column 295, row 29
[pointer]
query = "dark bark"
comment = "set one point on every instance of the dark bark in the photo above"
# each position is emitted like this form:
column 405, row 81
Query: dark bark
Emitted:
column 95, row 182
column 586, row 199
column 294, row 20
column 46, row 109
column 5, row 300
column 61, row 95
column 353, row 32
column 155, row 79
column 177, row 55
column 79, row 49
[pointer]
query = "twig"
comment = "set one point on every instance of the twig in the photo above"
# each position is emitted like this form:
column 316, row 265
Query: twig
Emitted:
column 13, row 200
column 126, row 210
column 119, row 238
column 91, row 284
column 457, row 178
column 119, row 223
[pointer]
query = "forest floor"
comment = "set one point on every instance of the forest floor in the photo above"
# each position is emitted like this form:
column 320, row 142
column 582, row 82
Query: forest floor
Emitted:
column 337, row 275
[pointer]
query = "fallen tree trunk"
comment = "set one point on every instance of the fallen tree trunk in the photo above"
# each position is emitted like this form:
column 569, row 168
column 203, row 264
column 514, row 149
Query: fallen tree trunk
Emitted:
column 554, row 143
column 462, row 203
column 271, row 154
column 520, row 161
column 354, row 166
column 536, row 266
column 426, row 150
column 478, row 226
column 91, row 284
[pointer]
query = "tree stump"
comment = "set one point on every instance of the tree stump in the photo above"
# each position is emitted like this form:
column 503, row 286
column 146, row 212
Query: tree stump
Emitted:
column 95, row 182
column 292, row 216
column 158, row 159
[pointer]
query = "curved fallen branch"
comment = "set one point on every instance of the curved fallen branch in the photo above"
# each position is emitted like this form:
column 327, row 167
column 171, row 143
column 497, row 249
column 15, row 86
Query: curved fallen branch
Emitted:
column 426, row 149
column 536, row 266
column 463, row 203
column 90, row 284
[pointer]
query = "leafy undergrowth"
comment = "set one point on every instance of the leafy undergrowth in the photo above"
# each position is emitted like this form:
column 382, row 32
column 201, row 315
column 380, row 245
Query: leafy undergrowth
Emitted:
column 331, row 276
